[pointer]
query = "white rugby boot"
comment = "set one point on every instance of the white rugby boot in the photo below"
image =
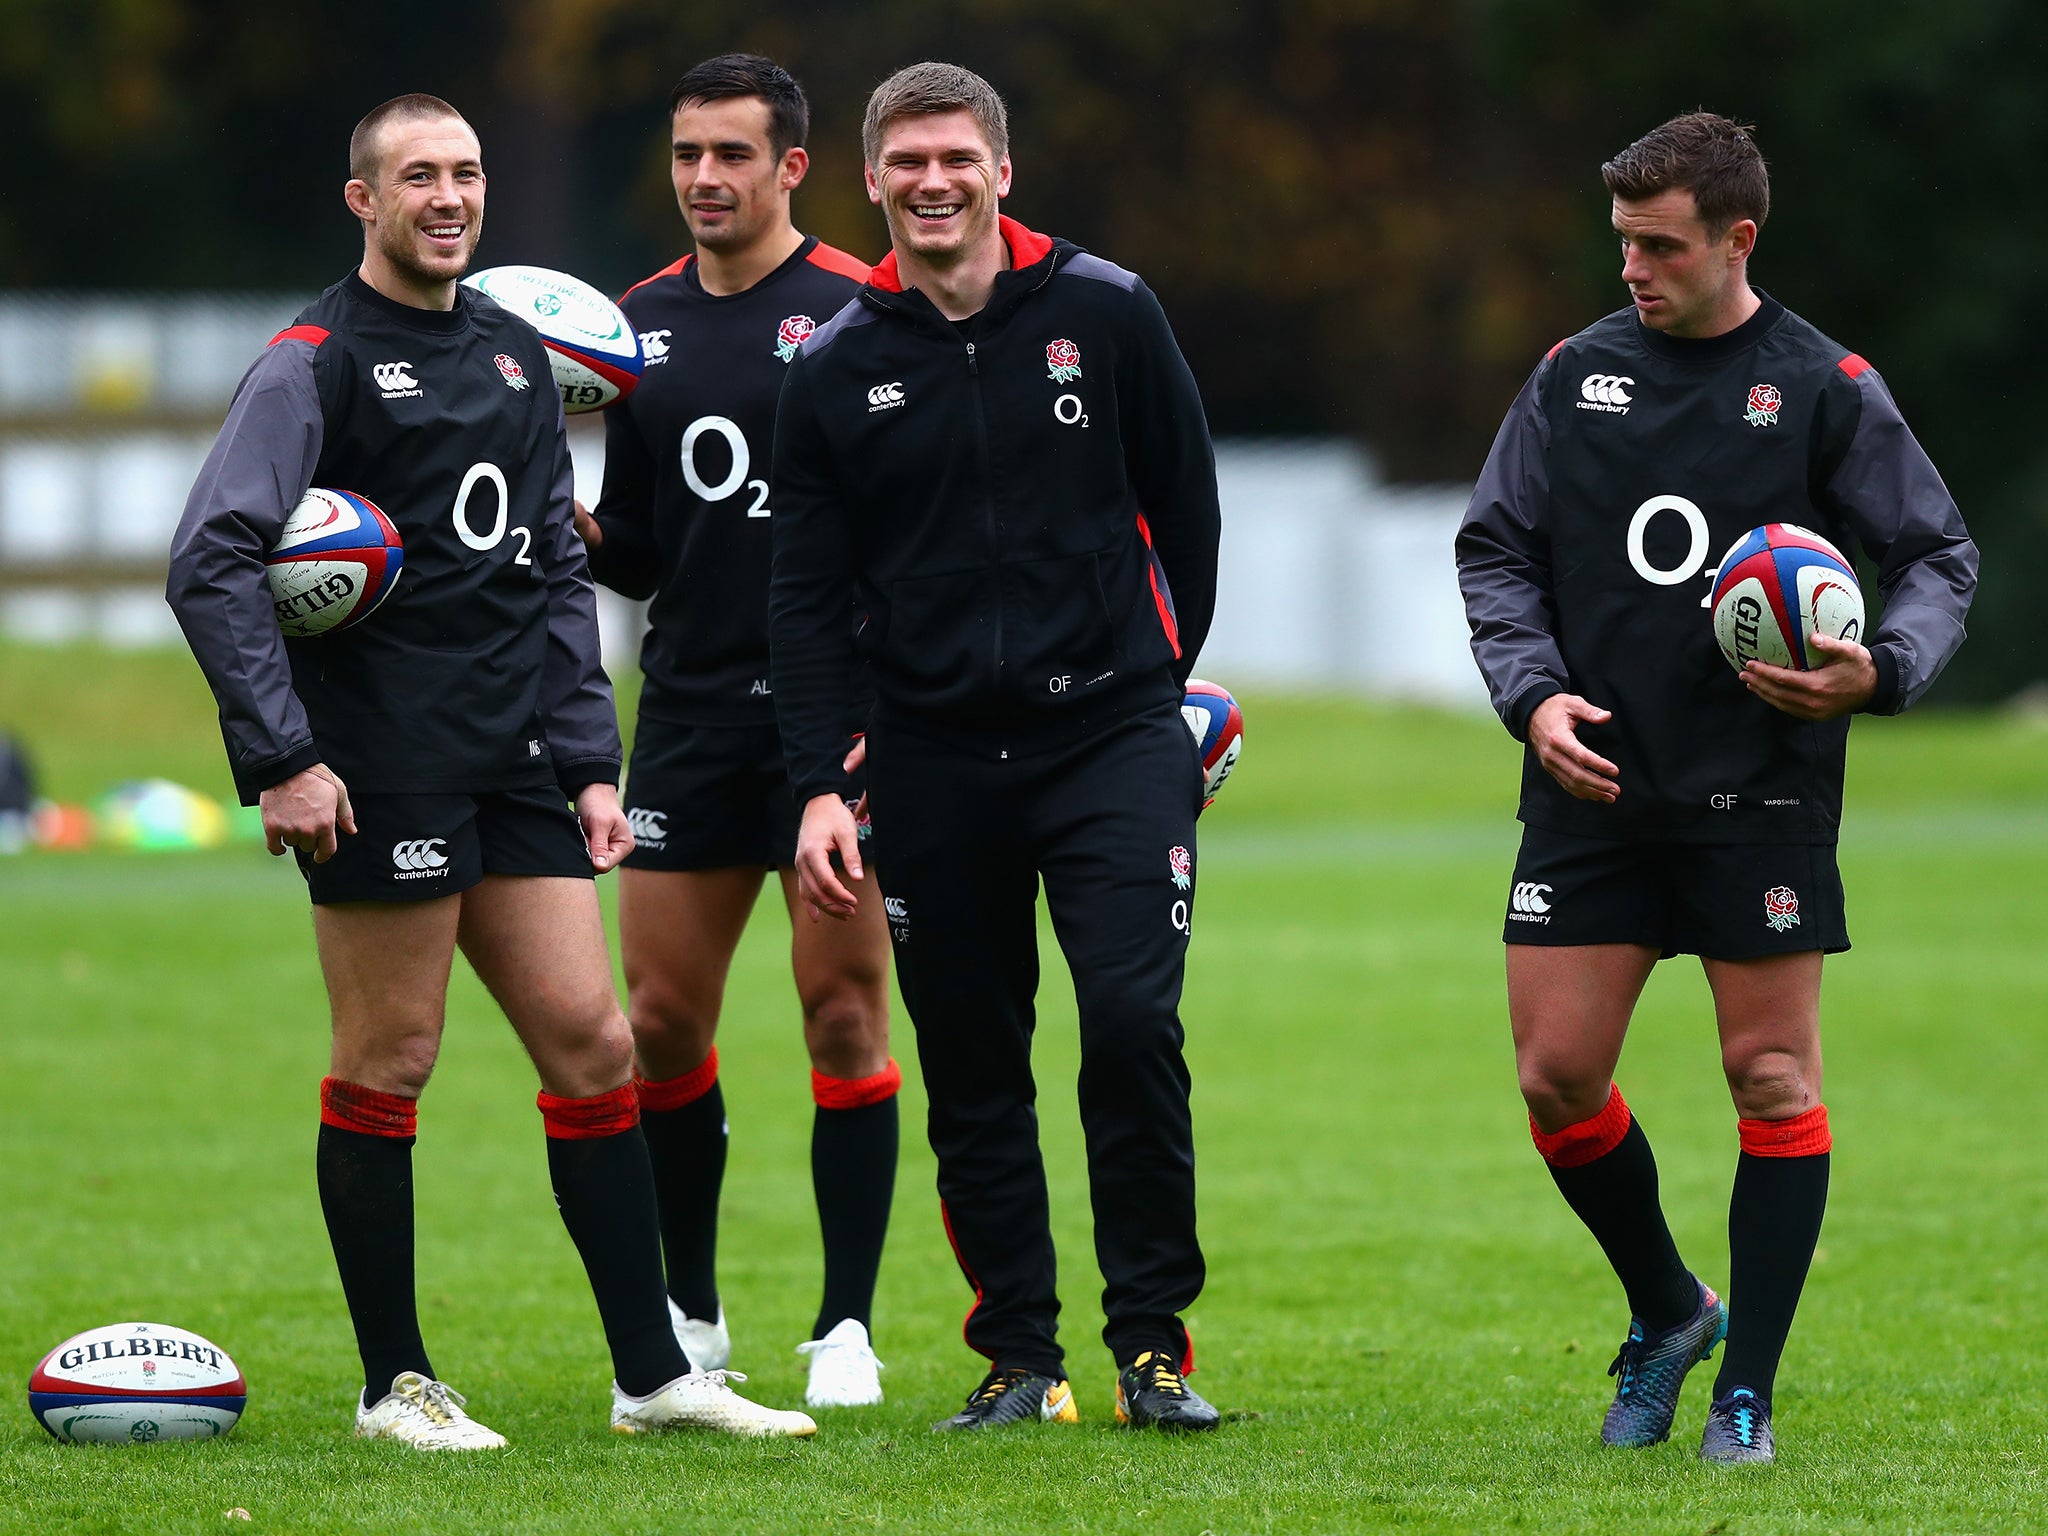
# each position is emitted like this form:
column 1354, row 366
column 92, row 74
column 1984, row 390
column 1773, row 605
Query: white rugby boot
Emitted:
column 702, row 1400
column 707, row 1345
column 426, row 1415
column 844, row 1370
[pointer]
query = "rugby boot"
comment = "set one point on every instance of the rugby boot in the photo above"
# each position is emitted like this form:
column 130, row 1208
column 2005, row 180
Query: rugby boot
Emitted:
column 1651, row 1368
column 1152, row 1394
column 702, row 1400
column 1739, row 1430
column 426, row 1415
column 1013, row 1396
column 844, row 1370
column 706, row 1345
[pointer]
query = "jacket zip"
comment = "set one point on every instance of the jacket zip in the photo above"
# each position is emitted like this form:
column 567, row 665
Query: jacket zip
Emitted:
column 989, row 480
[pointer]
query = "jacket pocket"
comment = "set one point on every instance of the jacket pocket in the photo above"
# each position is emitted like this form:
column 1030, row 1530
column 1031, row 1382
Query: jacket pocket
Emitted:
column 937, row 636
column 1058, row 637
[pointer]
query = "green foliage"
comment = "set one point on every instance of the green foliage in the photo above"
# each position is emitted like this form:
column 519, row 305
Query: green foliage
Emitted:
column 1406, row 1323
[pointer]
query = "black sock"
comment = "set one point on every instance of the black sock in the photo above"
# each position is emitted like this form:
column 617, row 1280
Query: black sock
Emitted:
column 1615, row 1195
column 605, row 1191
column 853, row 1170
column 687, row 1146
column 366, row 1196
column 1773, row 1222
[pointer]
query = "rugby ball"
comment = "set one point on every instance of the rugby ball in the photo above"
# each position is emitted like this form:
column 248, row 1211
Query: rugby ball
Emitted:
column 131, row 1383
column 592, row 348
column 336, row 561
column 1777, row 588
column 1217, row 725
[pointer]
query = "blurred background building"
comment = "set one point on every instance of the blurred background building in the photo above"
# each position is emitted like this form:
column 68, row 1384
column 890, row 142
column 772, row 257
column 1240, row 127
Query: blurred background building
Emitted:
column 1367, row 219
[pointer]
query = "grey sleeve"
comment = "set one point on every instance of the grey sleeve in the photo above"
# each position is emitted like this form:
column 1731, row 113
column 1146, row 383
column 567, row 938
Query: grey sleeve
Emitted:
column 576, row 704
column 1504, row 567
column 260, row 466
column 1890, row 493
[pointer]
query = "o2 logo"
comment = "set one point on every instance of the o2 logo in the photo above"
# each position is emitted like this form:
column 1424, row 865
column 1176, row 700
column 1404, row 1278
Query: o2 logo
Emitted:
column 1696, row 551
column 735, row 477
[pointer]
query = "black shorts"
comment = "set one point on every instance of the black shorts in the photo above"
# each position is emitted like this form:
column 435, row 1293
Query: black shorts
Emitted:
column 1724, row 901
column 712, row 797
column 417, row 847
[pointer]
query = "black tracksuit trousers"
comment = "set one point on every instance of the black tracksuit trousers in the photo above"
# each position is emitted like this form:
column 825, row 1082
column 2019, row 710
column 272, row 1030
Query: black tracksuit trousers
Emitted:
column 1109, row 825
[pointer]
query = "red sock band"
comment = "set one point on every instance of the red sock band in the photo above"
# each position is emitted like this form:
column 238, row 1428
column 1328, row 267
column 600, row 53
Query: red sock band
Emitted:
column 1577, row 1145
column 352, row 1107
column 856, row 1092
column 1804, row 1135
column 608, row 1114
column 675, row 1092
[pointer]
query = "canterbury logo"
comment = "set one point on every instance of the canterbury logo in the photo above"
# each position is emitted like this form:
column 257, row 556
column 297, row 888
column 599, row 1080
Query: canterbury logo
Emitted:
column 648, row 826
column 1605, row 388
column 420, row 853
column 1529, row 897
column 882, row 396
column 392, row 377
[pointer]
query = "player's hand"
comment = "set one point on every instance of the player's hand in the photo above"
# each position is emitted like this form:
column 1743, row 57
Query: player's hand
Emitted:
column 588, row 528
column 1840, row 685
column 828, row 829
column 851, row 766
column 606, row 832
column 307, row 811
column 1553, row 732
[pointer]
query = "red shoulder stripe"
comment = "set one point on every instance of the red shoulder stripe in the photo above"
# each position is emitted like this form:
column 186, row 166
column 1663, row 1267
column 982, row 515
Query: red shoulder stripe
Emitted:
column 832, row 259
column 312, row 335
column 668, row 271
column 1853, row 365
column 1555, row 350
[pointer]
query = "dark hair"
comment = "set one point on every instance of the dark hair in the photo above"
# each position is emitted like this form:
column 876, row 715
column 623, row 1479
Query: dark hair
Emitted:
column 733, row 75
column 362, row 144
column 923, row 89
column 1711, row 156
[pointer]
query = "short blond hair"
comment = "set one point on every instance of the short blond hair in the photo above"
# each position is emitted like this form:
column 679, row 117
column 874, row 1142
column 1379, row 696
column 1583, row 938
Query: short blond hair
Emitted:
column 924, row 89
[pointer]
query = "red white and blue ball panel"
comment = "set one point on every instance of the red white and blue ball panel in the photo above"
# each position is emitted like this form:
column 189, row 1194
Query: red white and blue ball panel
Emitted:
column 1218, row 728
column 336, row 561
column 133, row 1383
column 593, row 351
column 1777, row 588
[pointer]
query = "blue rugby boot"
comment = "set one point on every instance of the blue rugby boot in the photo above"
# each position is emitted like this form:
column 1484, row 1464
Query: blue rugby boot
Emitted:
column 1739, row 1430
column 1651, row 1368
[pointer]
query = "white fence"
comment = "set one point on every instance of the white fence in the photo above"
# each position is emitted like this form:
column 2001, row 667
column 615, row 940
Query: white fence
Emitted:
column 1331, row 579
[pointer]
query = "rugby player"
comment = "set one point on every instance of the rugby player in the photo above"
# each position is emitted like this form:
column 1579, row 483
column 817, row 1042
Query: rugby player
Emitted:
column 421, row 766
column 1001, row 451
column 1670, row 805
column 684, row 519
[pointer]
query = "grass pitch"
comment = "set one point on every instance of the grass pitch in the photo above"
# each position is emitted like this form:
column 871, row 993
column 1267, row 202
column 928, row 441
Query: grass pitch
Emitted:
column 1406, row 1324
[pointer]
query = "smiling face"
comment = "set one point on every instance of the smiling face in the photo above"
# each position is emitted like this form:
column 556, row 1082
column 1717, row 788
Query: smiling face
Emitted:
column 1686, row 279
column 732, row 187
column 939, row 185
column 422, row 209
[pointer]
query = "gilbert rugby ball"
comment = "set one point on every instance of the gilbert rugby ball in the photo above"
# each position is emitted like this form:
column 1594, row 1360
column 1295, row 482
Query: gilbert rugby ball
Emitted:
column 337, row 559
column 1778, row 588
column 1218, row 728
column 130, row 1383
column 591, row 345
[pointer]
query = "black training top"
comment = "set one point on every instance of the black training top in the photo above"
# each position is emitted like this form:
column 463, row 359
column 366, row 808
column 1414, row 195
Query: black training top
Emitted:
column 1630, row 463
column 686, row 510
column 1006, row 501
column 480, row 670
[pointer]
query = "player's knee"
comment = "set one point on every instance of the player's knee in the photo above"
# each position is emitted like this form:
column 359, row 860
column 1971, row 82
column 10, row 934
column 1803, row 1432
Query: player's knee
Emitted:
column 1769, row 1084
column 671, row 1024
column 846, row 1028
column 1561, row 1093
